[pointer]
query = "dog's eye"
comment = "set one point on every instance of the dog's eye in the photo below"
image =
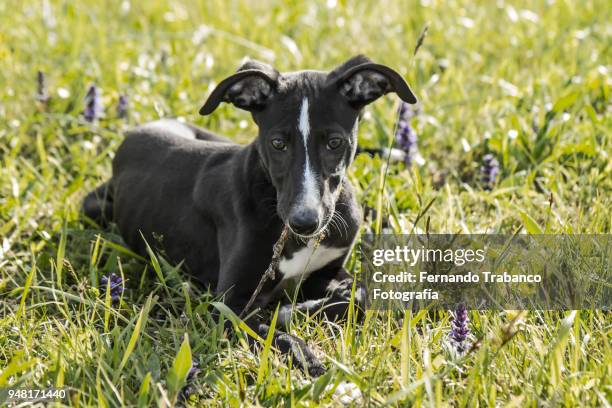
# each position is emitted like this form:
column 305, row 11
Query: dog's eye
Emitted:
column 279, row 144
column 334, row 143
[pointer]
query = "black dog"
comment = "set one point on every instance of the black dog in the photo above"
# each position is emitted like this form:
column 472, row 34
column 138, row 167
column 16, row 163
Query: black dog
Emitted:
column 220, row 207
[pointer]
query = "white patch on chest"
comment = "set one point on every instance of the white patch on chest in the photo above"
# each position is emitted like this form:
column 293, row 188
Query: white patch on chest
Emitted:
column 170, row 126
column 305, row 261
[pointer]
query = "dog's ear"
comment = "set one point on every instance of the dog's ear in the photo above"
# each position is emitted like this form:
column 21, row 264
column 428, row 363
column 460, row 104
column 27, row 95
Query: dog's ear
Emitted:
column 361, row 81
column 249, row 88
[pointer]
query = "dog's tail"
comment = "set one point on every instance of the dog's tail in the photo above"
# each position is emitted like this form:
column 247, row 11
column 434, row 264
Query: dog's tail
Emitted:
column 98, row 205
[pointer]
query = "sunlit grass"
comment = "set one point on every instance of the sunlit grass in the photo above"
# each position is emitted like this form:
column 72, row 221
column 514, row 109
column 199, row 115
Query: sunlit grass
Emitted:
column 528, row 83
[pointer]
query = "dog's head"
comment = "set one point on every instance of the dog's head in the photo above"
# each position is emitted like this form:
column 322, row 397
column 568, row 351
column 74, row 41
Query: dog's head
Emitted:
column 307, row 128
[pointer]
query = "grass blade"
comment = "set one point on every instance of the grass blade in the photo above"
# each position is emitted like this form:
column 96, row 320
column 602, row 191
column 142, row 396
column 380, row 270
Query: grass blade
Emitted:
column 177, row 376
column 142, row 318
column 263, row 357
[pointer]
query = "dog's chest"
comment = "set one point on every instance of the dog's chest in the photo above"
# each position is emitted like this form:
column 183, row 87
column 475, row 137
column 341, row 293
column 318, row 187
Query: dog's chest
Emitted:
column 308, row 259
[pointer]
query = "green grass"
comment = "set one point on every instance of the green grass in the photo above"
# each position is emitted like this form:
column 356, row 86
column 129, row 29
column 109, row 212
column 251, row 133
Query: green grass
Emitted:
column 527, row 82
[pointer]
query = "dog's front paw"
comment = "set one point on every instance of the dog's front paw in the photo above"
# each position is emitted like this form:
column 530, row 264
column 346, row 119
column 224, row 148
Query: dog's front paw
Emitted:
column 341, row 292
column 302, row 356
column 316, row 370
column 343, row 289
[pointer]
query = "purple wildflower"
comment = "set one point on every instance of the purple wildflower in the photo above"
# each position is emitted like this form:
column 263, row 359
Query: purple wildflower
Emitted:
column 188, row 389
column 93, row 107
column 194, row 370
column 41, row 88
column 116, row 286
column 460, row 330
column 122, row 107
column 407, row 111
column 405, row 136
column 489, row 171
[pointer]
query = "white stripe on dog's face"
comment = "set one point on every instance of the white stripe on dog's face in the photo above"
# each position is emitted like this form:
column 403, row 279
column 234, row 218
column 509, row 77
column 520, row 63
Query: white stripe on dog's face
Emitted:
column 310, row 194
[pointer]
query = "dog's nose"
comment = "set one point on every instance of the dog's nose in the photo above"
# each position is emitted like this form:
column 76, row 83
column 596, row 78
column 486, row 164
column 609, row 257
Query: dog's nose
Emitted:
column 304, row 221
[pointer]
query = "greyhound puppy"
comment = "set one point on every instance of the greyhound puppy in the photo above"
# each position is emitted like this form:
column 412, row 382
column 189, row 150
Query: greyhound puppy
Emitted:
column 220, row 207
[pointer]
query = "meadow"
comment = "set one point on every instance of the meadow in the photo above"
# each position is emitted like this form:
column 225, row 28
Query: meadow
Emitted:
column 517, row 85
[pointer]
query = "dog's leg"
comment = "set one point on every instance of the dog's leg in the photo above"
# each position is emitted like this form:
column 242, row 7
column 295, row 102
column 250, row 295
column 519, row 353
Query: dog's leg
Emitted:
column 302, row 355
column 297, row 348
column 328, row 292
column 98, row 205
column 238, row 286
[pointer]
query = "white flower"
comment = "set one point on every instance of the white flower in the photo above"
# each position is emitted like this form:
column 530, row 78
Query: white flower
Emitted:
column 125, row 7
column 418, row 159
column 63, row 93
column 529, row 15
column 508, row 87
column 347, row 392
column 209, row 61
column 512, row 14
column 200, row 34
column 466, row 22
